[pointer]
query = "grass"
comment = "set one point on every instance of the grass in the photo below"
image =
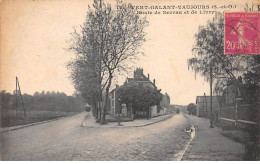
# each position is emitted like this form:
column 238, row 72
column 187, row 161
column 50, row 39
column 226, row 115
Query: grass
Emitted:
column 14, row 119
column 245, row 137
column 237, row 135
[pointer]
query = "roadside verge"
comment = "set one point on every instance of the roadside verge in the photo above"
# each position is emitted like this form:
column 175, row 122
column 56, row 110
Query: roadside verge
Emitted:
column 2, row 130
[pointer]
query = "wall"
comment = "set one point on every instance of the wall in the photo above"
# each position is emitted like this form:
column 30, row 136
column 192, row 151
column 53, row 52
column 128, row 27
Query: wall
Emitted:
column 153, row 111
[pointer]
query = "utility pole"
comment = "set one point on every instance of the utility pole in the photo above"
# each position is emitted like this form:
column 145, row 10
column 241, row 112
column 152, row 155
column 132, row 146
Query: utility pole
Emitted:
column 16, row 92
column 211, row 114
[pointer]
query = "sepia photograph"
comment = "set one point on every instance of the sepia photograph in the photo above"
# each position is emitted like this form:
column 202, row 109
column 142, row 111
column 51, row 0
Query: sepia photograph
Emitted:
column 129, row 80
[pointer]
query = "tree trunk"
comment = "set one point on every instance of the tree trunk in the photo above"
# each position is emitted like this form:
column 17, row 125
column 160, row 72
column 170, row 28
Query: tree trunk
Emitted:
column 103, row 112
column 100, row 96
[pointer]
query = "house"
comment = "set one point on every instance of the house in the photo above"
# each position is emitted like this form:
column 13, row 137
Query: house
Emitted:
column 203, row 106
column 138, row 79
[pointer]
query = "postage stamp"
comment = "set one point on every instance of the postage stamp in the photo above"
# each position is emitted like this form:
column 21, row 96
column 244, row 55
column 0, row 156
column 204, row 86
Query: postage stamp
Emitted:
column 242, row 33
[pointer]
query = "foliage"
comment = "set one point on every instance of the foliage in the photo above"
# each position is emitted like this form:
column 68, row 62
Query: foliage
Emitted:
column 251, row 78
column 108, row 40
column 191, row 108
column 208, row 51
column 252, row 88
column 43, row 102
column 5, row 98
column 140, row 97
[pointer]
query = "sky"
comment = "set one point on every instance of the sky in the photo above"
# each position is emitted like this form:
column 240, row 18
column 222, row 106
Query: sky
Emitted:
column 34, row 37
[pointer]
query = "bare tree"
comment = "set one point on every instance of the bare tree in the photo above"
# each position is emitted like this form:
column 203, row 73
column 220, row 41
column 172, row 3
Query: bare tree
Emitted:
column 109, row 39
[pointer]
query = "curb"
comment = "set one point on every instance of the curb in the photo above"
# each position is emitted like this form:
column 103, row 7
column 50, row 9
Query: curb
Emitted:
column 192, row 139
column 180, row 154
column 128, row 126
column 36, row 123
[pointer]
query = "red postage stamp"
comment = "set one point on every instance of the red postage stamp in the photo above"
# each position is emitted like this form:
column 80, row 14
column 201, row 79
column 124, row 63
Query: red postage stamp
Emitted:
column 242, row 33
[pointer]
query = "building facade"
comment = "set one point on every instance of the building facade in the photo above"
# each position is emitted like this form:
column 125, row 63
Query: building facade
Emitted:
column 203, row 106
column 116, row 107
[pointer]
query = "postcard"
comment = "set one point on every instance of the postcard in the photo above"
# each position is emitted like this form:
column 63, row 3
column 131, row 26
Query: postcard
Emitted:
column 129, row 80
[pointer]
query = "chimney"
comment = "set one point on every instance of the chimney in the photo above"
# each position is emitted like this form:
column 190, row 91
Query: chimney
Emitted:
column 138, row 73
column 153, row 81
column 148, row 76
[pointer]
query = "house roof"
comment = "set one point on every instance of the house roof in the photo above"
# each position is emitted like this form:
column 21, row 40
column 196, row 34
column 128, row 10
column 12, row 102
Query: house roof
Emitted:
column 139, row 77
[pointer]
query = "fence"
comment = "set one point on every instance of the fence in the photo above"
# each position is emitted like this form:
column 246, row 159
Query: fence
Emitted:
column 245, row 117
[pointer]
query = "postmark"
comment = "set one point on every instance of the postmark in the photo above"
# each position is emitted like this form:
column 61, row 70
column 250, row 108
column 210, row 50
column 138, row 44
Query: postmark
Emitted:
column 242, row 33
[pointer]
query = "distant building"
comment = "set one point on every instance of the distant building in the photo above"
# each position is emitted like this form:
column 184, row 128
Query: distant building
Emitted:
column 203, row 106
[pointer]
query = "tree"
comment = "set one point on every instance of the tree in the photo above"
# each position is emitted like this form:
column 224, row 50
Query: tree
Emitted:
column 140, row 97
column 191, row 108
column 4, row 99
column 109, row 39
column 85, row 81
column 208, row 51
column 252, row 87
